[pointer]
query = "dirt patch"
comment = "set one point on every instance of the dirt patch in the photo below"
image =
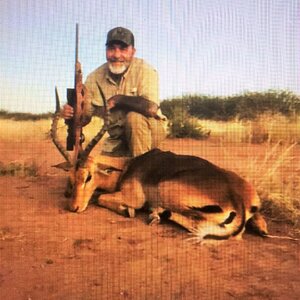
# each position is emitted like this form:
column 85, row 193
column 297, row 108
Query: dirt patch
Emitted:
column 49, row 253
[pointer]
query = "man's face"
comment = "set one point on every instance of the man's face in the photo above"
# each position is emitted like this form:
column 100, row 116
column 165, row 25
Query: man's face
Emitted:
column 119, row 57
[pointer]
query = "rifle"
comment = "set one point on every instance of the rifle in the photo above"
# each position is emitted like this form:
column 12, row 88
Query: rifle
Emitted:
column 75, row 97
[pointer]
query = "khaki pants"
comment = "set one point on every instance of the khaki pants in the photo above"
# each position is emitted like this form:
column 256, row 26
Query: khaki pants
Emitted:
column 142, row 133
column 134, row 134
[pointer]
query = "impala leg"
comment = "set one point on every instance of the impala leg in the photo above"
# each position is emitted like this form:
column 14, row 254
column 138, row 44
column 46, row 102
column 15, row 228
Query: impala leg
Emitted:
column 186, row 222
column 200, row 228
column 115, row 202
column 125, row 202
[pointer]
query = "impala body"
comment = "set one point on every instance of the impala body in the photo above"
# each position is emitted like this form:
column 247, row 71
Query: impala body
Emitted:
column 205, row 199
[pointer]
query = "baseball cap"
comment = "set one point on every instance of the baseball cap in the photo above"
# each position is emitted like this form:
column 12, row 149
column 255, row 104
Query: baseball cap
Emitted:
column 120, row 34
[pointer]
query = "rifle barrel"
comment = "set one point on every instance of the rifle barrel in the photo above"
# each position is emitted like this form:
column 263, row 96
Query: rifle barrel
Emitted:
column 76, row 48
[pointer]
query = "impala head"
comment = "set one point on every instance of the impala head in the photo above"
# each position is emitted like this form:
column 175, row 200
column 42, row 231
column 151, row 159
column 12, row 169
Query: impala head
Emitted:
column 101, row 173
column 83, row 173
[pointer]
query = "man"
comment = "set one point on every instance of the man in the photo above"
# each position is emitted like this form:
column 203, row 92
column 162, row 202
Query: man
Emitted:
column 136, row 124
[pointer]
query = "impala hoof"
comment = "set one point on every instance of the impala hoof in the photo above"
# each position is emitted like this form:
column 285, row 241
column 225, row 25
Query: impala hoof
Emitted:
column 131, row 212
column 154, row 218
column 74, row 209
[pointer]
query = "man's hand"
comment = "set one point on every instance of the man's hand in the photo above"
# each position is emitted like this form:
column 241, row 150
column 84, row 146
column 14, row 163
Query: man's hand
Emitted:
column 67, row 112
column 152, row 111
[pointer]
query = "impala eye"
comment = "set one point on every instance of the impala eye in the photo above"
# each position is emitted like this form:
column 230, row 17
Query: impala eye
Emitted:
column 109, row 170
column 253, row 209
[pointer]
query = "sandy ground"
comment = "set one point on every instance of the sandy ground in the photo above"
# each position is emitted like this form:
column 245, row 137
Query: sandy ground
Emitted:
column 47, row 252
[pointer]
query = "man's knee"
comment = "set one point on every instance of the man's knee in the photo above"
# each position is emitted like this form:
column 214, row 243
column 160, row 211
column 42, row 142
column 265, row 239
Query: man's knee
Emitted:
column 134, row 120
column 143, row 133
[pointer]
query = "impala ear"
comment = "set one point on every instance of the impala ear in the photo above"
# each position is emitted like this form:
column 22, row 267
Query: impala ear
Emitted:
column 66, row 166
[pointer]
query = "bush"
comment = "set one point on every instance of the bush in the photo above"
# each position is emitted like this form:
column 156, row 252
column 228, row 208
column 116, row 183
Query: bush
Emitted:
column 183, row 125
column 247, row 106
column 19, row 168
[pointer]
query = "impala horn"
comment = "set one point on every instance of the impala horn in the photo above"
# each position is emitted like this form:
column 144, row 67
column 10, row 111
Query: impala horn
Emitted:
column 53, row 133
column 90, row 146
column 85, row 153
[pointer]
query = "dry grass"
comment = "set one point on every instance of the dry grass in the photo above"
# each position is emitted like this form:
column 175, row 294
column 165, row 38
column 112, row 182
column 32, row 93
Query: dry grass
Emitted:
column 23, row 131
column 268, row 128
column 277, row 179
column 273, row 129
column 229, row 132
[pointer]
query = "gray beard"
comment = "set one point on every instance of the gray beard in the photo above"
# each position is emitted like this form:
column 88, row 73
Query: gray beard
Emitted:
column 117, row 70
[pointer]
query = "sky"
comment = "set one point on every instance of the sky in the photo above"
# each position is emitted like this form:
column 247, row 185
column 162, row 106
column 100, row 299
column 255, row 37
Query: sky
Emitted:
column 211, row 47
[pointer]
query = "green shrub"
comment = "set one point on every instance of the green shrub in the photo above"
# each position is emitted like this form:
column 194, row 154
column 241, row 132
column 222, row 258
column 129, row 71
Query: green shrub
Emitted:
column 183, row 125
column 247, row 106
